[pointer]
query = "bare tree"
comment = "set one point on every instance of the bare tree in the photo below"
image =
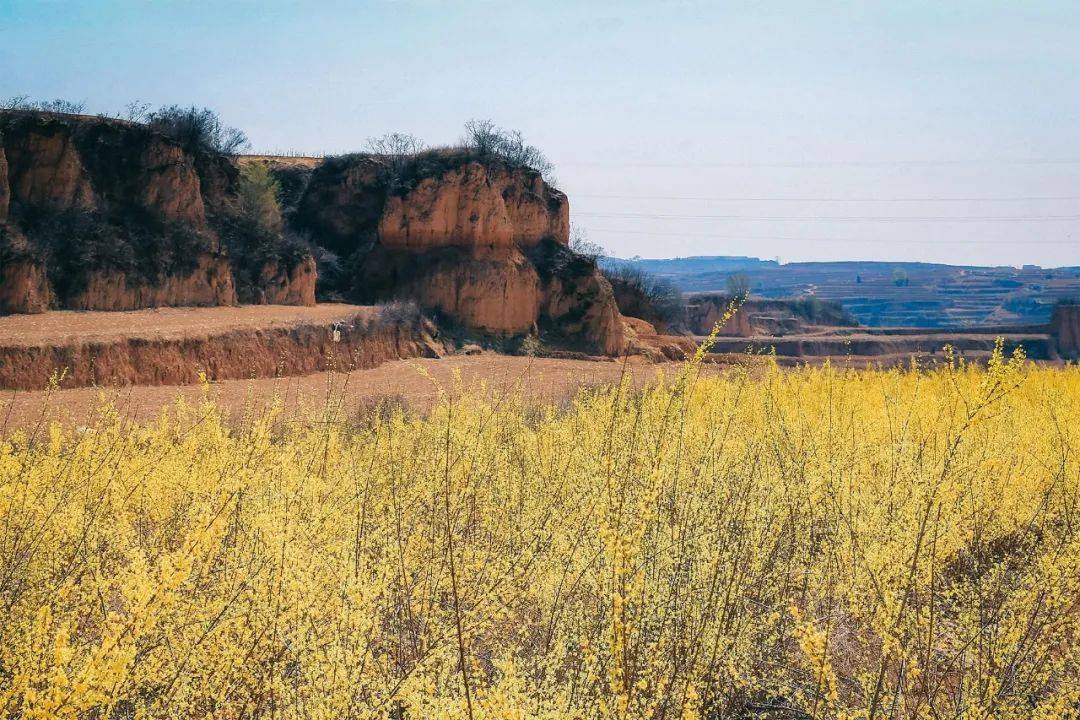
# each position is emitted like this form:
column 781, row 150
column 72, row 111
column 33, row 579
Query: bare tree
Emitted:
column 199, row 130
column 59, row 105
column 738, row 285
column 582, row 245
column 484, row 137
column 395, row 145
column 137, row 111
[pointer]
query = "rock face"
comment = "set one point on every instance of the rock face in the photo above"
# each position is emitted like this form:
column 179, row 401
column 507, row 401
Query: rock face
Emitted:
column 112, row 215
column 480, row 241
column 5, row 193
column 45, row 169
column 763, row 317
column 210, row 283
column 1065, row 329
column 363, row 342
column 23, row 287
column 477, row 207
column 282, row 285
column 703, row 312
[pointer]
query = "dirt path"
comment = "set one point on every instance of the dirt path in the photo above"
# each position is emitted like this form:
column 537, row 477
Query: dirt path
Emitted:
column 416, row 383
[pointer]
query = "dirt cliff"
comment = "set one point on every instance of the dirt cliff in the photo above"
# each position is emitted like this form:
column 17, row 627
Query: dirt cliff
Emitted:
column 758, row 316
column 23, row 287
column 114, row 215
column 5, row 193
column 1065, row 330
column 209, row 283
column 364, row 340
column 284, row 285
column 477, row 239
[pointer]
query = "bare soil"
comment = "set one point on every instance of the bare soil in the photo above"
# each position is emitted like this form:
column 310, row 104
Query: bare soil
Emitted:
column 414, row 383
column 72, row 327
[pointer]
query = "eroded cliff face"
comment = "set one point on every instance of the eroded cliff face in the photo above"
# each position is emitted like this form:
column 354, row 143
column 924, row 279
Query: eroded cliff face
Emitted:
column 475, row 206
column 1065, row 330
column 209, row 284
column 495, row 291
column 113, row 215
column 45, row 168
column 705, row 311
column 23, row 287
column 282, row 285
column 480, row 241
column 5, row 193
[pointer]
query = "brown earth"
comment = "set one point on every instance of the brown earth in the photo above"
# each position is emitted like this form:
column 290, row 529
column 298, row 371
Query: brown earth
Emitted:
column 209, row 284
column 475, row 206
column 415, row 383
column 5, row 192
column 152, row 222
column 1065, row 327
column 23, row 288
column 480, row 241
column 174, row 346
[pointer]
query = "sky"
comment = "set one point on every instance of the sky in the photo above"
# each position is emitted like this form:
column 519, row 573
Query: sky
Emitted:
column 915, row 130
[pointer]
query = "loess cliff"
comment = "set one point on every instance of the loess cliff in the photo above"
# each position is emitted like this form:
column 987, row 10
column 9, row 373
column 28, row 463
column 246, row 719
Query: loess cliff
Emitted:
column 1065, row 330
column 100, row 214
column 482, row 242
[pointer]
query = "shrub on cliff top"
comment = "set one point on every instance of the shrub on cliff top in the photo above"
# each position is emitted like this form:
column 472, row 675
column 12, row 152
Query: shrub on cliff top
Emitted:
column 643, row 295
column 199, row 131
column 59, row 105
column 485, row 138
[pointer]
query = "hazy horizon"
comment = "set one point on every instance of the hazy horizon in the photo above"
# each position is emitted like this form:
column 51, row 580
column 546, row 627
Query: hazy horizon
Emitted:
column 871, row 131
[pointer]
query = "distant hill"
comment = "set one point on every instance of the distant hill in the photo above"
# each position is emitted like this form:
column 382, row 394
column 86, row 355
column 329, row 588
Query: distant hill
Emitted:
column 885, row 294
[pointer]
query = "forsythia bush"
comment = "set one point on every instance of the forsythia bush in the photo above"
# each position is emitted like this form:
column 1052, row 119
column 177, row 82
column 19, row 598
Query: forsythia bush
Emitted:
column 759, row 543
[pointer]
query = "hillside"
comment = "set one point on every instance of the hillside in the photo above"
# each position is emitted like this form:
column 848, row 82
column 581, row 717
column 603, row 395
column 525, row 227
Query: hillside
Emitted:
column 108, row 215
column 101, row 214
column 881, row 294
column 478, row 239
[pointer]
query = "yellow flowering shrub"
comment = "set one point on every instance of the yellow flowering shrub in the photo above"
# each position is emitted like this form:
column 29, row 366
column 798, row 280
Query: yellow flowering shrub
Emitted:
column 823, row 543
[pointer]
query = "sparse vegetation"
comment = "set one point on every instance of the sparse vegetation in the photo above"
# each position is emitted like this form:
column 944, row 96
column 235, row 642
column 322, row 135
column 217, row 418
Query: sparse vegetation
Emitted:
column 582, row 245
column 26, row 104
column 75, row 243
column 815, row 543
column 816, row 310
column 738, row 285
column 259, row 189
column 484, row 137
column 643, row 295
column 198, row 130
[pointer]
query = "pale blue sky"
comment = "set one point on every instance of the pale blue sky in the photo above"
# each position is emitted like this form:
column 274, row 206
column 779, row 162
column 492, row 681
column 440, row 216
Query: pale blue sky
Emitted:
column 677, row 128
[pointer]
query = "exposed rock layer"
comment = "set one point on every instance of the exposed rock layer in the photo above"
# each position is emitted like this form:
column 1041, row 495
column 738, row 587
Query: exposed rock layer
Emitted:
column 115, row 216
column 1065, row 329
column 763, row 317
column 480, row 241
column 23, row 287
column 209, row 284
column 236, row 354
column 5, row 193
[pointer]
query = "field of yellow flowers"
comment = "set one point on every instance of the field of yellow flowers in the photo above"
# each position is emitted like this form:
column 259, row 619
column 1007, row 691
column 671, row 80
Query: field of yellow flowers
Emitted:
column 763, row 543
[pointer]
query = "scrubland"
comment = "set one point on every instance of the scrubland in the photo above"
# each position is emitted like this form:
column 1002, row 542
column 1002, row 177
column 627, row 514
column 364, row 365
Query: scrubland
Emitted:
column 816, row 542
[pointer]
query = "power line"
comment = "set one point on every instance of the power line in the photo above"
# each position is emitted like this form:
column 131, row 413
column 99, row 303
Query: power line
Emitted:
column 830, row 163
column 829, row 199
column 837, row 218
column 743, row 238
